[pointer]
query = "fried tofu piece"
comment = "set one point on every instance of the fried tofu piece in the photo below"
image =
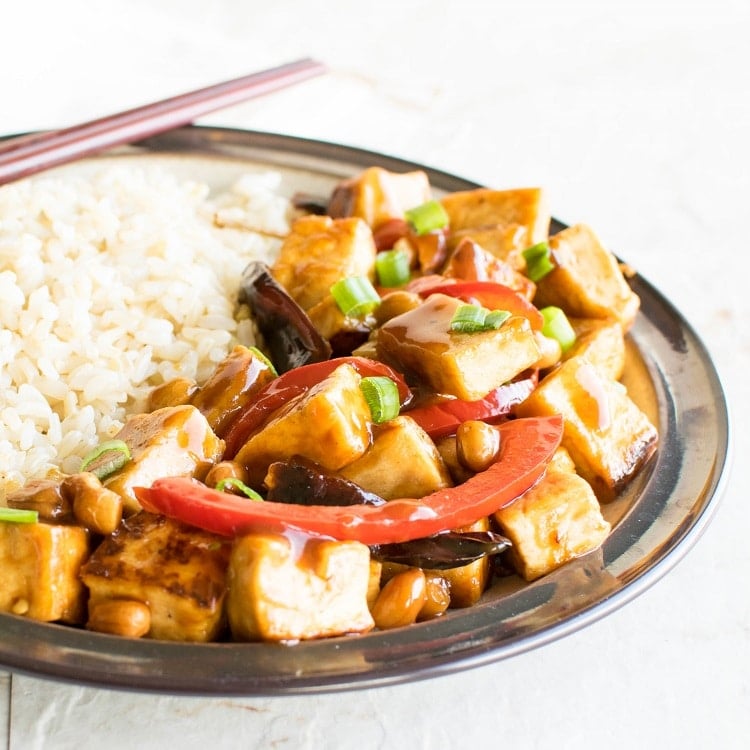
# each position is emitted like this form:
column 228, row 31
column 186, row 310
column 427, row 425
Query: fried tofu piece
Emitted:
column 178, row 571
column 329, row 424
column 602, row 342
column 587, row 281
column 40, row 566
column 402, row 462
column 608, row 437
column 465, row 365
column 505, row 242
column 555, row 521
column 169, row 442
column 286, row 590
column 318, row 252
column 377, row 195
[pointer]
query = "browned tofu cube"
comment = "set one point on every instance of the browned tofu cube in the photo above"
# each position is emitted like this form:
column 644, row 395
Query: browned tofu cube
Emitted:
column 169, row 442
column 40, row 566
column 465, row 365
column 587, row 281
column 377, row 195
column 602, row 342
column 318, row 252
column 608, row 437
column 505, row 242
column 329, row 424
column 279, row 591
column 178, row 571
column 557, row 520
column 402, row 462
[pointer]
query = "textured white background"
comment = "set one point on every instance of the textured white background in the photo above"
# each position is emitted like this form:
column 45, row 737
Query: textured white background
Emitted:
column 636, row 117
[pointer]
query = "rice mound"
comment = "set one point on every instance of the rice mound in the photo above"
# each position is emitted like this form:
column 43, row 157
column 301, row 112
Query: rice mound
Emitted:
column 110, row 285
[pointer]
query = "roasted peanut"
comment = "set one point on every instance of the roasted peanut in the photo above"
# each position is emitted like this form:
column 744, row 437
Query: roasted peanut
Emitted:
column 172, row 393
column 438, row 597
column 226, row 470
column 477, row 444
column 125, row 617
column 400, row 600
column 94, row 506
column 448, row 451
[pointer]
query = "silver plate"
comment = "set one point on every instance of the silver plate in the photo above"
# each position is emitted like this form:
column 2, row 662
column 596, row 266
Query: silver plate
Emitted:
column 656, row 521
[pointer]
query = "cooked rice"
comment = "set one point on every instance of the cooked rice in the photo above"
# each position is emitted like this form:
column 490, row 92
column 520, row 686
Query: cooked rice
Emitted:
column 110, row 285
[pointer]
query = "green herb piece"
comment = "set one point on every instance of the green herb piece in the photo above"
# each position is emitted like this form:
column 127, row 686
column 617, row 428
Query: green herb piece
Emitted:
column 427, row 218
column 18, row 515
column 557, row 326
column 240, row 485
column 381, row 394
column 538, row 261
column 355, row 296
column 392, row 267
column 475, row 319
column 107, row 458
column 258, row 354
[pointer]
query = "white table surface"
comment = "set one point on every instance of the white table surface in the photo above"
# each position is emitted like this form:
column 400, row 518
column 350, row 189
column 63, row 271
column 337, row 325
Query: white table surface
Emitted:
column 636, row 117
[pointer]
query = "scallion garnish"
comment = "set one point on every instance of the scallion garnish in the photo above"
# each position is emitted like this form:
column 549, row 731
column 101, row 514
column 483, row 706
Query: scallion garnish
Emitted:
column 107, row 458
column 557, row 326
column 474, row 319
column 392, row 267
column 237, row 484
column 18, row 515
column 538, row 261
column 381, row 394
column 355, row 296
column 427, row 217
column 258, row 354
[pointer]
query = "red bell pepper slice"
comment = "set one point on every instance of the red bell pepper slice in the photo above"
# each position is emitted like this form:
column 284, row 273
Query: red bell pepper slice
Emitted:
column 526, row 446
column 294, row 382
column 489, row 294
column 444, row 417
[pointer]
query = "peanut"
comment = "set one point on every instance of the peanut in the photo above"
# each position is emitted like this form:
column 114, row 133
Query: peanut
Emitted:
column 438, row 597
column 477, row 444
column 400, row 600
column 126, row 617
column 225, row 470
column 94, row 506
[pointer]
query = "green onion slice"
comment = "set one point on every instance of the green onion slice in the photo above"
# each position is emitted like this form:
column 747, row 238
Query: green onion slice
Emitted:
column 240, row 485
column 381, row 394
column 538, row 261
column 557, row 326
column 355, row 296
column 18, row 515
column 107, row 458
column 392, row 267
column 427, row 217
column 258, row 354
column 474, row 319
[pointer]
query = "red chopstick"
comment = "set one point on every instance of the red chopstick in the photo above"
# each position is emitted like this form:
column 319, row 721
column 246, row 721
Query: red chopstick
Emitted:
column 29, row 154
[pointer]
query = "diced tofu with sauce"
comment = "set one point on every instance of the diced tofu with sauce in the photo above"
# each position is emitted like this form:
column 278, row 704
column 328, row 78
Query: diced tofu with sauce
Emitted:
column 465, row 365
column 40, row 566
column 506, row 243
column 402, row 462
column 178, row 571
column 608, row 437
column 289, row 589
column 318, row 252
column 329, row 424
column 555, row 521
column 168, row 442
column 587, row 281
column 377, row 195
column 602, row 342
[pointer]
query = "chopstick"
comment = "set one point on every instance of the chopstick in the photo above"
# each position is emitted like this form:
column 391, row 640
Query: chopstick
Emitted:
column 28, row 154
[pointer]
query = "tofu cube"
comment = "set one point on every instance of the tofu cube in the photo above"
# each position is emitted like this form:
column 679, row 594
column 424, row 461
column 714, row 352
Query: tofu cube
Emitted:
column 168, row 442
column 318, row 252
column 329, row 424
column 402, row 462
column 608, row 437
column 602, row 342
column 179, row 571
column 465, row 365
column 283, row 589
column 40, row 566
column 587, row 281
column 555, row 521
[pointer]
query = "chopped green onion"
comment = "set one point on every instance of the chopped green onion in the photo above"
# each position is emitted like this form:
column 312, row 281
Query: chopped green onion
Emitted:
column 355, row 296
column 392, row 267
column 557, row 326
column 106, row 458
column 240, row 485
column 381, row 394
column 427, row 217
column 258, row 354
column 474, row 319
column 538, row 261
column 18, row 515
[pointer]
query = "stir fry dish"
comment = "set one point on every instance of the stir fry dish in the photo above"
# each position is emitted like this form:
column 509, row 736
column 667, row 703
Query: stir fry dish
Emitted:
column 434, row 401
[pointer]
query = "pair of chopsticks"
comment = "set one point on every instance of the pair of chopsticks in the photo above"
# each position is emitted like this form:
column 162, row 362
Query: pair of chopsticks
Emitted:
column 28, row 154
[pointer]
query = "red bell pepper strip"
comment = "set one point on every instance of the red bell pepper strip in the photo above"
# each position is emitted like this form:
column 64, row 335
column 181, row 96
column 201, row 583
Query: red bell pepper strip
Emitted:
column 444, row 417
column 293, row 383
column 526, row 446
column 489, row 294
